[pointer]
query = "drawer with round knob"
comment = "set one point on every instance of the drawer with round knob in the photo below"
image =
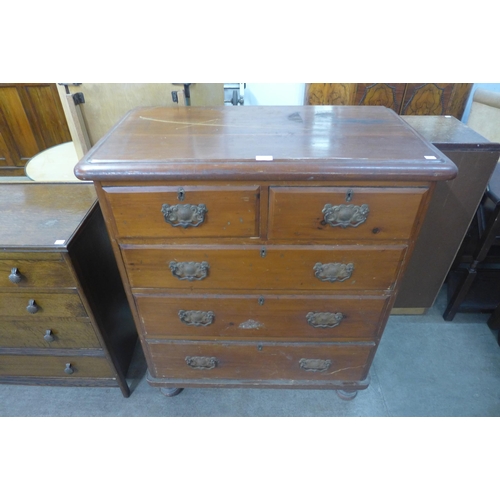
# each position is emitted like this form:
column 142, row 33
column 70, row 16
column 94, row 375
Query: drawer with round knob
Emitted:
column 258, row 361
column 302, row 318
column 338, row 213
column 39, row 304
column 49, row 333
column 47, row 270
column 62, row 366
column 299, row 267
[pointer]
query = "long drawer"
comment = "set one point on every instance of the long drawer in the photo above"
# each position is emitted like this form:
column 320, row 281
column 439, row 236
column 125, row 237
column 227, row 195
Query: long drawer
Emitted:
column 51, row 333
column 161, row 212
column 328, row 213
column 347, row 268
column 38, row 304
column 54, row 366
column 260, row 361
column 18, row 270
column 266, row 317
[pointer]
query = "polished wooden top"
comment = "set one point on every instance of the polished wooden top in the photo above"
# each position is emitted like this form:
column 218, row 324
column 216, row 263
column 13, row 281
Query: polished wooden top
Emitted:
column 42, row 216
column 264, row 142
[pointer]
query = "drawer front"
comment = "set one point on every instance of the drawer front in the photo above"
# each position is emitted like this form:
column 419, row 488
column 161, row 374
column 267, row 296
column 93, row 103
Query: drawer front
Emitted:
column 264, row 361
column 261, row 317
column 349, row 268
column 157, row 212
column 318, row 213
column 51, row 334
column 41, row 305
column 19, row 270
column 55, row 366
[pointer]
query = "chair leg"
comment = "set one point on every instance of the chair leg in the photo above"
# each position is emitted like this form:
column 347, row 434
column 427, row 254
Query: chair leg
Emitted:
column 459, row 294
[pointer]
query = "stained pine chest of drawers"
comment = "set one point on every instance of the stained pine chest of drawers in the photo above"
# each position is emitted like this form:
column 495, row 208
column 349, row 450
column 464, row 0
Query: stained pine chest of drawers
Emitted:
column 262, row 246
column 64, row 315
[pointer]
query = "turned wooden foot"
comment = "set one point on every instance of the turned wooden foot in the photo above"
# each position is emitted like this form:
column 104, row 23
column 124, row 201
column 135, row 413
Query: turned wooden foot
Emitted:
column 170, row 392
column 346, row 395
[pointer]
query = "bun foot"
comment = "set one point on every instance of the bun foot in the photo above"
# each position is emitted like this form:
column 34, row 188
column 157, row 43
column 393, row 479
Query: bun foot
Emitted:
column 170, row 392
column 346, row 395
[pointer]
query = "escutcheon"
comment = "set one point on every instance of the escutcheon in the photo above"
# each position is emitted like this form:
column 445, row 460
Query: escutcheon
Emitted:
column 196, row 318
column 190, row 271
column 324, row 319
column 333, row 271
column 345, row 215
column 184, row 215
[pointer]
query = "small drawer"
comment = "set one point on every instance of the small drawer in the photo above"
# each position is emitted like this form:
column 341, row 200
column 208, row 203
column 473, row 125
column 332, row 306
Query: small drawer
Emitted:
column 199, row 212
column 279, row 317
column 325, row 268
column 50, row 334
column 64, row 367
column 37, row 304
column 20, row 270
column 324, row 213
column 260, row 361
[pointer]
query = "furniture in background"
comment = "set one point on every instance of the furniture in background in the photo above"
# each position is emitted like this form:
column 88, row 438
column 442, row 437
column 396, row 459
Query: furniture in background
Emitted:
column 474, row 280
column 64, row 316
column 403, row 98
column 262, row 246
column 31, row 120
column 451, row 209
column 102, row 105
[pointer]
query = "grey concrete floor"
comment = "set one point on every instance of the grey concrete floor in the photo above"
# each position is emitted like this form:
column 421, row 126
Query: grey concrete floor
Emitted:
column 424, row 366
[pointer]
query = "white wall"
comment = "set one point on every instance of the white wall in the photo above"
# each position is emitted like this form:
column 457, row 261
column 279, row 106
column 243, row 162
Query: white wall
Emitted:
column 279, row 94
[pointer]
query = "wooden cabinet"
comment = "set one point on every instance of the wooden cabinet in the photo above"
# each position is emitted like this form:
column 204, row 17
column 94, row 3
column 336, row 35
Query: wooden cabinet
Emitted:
column 64, row 316
column 263, row 246
column 31, row 120
column 403, row 98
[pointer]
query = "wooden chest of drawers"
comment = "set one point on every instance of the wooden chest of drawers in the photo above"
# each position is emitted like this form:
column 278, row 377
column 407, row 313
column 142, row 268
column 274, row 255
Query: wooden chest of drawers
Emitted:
column 262, row 246
column 64, row 315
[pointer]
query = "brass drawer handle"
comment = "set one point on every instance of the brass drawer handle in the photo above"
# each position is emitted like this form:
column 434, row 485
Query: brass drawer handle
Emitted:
column 314, row 365
column 69, row 369
column 345, row 215
column 333, row 271
column 48, row 337
column 15, row 276
column 201, row 362
column 32, row 307
column 197, row 318
column 189, row 270
column 324, row 319
column 184, row 215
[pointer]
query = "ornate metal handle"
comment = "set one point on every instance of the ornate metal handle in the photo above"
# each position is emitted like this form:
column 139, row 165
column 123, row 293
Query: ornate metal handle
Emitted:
column 333, row 271
column 197, row 318
column 345, row 215
column 189, row 270
column 184, row 215
column 32, row 307
column 69, row 369
column 201, row 362
column 15, row 276
column 314, row 365
column 48, row 336
column 324, row 319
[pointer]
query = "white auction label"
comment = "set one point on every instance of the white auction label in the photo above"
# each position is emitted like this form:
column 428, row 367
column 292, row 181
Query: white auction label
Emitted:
column 264, row 158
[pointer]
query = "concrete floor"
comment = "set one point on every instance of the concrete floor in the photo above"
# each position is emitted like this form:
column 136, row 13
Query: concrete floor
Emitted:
column 424, row 366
